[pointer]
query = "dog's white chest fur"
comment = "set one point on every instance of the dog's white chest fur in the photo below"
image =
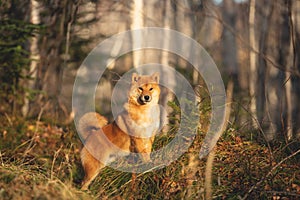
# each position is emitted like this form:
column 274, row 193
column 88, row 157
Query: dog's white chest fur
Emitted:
column 140, row 128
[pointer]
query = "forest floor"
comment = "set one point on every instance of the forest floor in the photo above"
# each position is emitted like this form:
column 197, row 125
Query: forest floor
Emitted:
column 40, row 160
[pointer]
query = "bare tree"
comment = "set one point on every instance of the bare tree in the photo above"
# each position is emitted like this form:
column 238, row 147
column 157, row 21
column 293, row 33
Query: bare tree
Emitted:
column 253, row 41
column 264, row 20
column 295, row 14
column 34, row 53
column 279, row 51
column 58, row 17
column 137, row 22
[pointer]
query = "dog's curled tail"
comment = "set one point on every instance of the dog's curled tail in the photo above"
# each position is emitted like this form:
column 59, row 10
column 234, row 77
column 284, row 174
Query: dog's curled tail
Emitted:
column 89, row 123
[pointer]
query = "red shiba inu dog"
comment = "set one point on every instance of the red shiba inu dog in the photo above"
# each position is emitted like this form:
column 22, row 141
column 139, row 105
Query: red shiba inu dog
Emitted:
column 132, row 131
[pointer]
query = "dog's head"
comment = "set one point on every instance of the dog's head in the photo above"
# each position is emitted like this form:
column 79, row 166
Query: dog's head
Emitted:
column 144, row 89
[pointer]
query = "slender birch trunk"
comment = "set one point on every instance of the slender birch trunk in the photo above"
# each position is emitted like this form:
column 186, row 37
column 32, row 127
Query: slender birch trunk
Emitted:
column 34, row 53
column 253, row 63
column 166, row 58
column 137, row 21
column 296, row 86
column 289, row 62
column 288, row 94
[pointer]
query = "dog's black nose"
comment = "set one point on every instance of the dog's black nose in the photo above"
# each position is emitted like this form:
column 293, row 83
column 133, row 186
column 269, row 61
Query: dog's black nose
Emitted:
column 147, row 98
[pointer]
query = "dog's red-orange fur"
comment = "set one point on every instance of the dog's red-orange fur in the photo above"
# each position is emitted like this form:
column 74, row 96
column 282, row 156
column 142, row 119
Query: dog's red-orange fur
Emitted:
column 132, row 131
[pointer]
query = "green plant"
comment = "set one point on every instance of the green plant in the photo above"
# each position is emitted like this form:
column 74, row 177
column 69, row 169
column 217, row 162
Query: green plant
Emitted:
column 14, row 60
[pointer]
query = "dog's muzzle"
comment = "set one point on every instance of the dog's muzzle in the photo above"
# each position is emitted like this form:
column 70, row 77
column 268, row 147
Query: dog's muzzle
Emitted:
column 145, row 99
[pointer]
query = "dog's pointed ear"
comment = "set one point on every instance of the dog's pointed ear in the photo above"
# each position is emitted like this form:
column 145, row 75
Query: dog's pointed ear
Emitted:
column 155, row 77
column 135, row 77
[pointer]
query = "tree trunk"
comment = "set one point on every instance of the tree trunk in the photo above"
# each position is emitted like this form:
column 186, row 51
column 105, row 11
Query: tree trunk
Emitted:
column 166, row 60
column 295, row 9
column 229, row 42
column 153, row 17
column 137, row 23
column 184, row 24
column 276, row 91
column 53, row 59
column 34, row 54
column 288, row 40
column 285, row 59
column 253, row 63
column 265, row 19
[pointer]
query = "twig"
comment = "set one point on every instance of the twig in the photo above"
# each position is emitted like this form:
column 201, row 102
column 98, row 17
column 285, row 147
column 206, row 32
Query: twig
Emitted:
column 8, row 119
column 30, row 146
column 53, row 161
column 1, row 159
column 268, row 174
column 284, row 193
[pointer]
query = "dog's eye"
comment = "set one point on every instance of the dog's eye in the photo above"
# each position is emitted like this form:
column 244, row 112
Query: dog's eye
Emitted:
column 140, row 88
column 150, row 89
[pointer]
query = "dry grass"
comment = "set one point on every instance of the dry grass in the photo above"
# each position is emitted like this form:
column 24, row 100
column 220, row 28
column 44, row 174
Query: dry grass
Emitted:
column 41, row 161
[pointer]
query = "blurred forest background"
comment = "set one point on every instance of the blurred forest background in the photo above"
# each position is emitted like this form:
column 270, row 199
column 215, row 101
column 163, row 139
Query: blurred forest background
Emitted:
column 255, row 44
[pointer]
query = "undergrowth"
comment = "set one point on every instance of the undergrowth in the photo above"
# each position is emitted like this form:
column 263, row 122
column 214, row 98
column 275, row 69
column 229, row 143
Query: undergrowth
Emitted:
column 41, row 161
